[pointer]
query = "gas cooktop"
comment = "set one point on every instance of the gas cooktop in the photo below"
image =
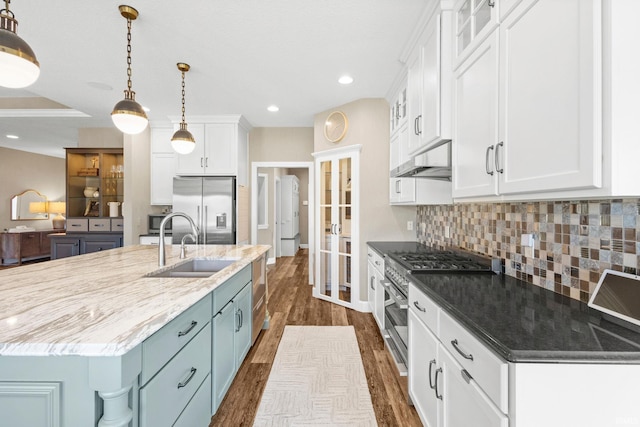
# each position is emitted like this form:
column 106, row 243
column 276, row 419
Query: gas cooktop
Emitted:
column 442, row 261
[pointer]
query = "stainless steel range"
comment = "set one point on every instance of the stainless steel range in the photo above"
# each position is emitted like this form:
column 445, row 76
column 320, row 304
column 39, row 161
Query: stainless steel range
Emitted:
column 398, row 267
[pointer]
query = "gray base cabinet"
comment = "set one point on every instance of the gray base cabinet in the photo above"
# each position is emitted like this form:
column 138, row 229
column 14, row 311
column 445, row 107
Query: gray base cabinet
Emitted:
column 71, row 244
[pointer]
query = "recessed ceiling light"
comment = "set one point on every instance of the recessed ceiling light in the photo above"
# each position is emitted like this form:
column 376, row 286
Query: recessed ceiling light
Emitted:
column 273, row 108
column 12, row 136
column 345, row 80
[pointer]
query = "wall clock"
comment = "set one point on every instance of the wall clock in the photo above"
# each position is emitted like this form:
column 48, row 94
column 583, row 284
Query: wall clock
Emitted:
column 335, row 127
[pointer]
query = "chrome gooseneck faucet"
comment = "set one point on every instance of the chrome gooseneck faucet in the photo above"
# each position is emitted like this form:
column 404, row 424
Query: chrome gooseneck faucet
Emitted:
column 161, row 250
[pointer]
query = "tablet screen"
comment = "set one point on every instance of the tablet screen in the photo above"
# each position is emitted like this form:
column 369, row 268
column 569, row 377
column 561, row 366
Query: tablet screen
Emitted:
column 618, row 294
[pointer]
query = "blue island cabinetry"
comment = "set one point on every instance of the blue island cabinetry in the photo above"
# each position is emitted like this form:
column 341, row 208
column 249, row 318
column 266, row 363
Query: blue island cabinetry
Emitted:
column 177, row 376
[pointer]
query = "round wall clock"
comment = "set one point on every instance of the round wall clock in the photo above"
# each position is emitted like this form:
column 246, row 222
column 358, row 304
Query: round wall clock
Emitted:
column 335, row 127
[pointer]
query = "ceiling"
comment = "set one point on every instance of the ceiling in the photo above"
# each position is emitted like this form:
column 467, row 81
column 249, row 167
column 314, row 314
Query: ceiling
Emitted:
column 244, row 54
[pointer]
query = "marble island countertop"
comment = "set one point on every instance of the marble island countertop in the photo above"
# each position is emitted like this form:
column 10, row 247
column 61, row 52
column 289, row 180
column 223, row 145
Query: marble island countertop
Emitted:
column 101, row 304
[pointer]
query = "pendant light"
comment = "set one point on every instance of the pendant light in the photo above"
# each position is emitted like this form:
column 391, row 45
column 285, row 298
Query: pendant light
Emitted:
column 182, row 141
column 18, row 64
column 128, row 115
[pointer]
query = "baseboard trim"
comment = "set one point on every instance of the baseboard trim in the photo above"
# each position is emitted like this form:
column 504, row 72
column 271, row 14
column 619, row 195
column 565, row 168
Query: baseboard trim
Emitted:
column 271, row 261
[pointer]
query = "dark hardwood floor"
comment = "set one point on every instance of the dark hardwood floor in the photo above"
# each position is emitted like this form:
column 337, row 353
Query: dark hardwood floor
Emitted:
column 291, row 303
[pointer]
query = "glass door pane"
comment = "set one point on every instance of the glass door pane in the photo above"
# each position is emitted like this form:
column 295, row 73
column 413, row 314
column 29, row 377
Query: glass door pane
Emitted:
column 344, row 262
column 325, row 273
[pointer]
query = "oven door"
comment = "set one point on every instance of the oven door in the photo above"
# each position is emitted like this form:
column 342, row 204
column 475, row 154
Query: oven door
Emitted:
column 396, row 326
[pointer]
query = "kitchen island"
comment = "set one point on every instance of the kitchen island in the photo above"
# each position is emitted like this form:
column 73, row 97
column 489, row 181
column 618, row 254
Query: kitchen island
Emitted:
column 85, row 340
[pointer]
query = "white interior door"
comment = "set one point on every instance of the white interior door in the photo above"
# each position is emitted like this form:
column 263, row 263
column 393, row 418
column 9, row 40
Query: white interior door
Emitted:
column 278, row 225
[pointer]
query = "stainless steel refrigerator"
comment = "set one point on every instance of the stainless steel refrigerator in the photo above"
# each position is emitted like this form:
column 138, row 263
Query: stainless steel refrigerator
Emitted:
column 211, row 202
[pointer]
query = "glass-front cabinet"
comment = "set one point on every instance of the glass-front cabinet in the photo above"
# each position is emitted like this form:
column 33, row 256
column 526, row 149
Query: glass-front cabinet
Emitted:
column 95, row 182
column 337, row 228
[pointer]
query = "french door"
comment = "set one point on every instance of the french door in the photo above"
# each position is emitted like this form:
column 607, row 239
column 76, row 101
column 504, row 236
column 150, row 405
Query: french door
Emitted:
column 337, row 241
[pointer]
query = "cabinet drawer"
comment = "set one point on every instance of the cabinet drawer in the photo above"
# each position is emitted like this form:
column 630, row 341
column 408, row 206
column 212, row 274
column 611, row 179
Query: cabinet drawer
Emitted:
column 168, row 393
column 487, row 369
column 225, row 292
column 117, row 224
column 198, row 411
column 376, row 259
column 425, row 309
column 160, row 347
column 99, row 224
column 77, row 224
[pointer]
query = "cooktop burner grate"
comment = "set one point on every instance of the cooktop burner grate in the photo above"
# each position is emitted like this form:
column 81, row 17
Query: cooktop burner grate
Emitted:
column 439, row 261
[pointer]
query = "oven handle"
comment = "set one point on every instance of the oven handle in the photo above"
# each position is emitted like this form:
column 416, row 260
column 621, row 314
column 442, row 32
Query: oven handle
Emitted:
column 403, row 303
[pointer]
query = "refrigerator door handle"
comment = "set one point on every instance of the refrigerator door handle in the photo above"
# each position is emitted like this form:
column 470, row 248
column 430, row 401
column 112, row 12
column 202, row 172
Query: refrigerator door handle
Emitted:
column 204, row 223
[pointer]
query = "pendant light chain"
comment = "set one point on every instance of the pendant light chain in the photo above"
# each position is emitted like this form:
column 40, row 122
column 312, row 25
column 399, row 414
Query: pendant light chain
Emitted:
column 183, row 92
column 129, row 54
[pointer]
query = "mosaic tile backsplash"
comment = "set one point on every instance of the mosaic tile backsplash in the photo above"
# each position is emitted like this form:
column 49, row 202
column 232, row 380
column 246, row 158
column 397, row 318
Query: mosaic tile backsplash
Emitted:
column 574, row 241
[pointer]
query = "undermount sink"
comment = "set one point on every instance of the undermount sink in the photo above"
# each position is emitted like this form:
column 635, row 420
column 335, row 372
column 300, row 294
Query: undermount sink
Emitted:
column 195, row 267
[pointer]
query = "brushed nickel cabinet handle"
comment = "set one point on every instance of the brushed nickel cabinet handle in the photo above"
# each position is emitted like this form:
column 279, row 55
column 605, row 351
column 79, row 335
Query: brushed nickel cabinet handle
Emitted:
column 491, row 3
column 438, row 372
column 189, row 378
column 419, row 307
column 189, row 329
column 431, row 384
column 486, row 160
column 497, row 158
column 454, row 343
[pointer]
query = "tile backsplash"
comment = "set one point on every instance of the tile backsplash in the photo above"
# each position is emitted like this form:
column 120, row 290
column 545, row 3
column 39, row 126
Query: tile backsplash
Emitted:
column 574, row 241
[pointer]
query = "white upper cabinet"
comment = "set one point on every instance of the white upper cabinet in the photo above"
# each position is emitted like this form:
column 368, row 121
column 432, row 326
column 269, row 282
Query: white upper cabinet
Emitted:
column 475, row 20
column 221, row 148
column 550, row 97
column 429, row 85
column 476, row 122
column 162, row 169
column 528, row 100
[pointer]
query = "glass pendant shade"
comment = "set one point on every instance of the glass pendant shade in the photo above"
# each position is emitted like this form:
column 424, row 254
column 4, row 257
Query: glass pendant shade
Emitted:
column 182, row 141
column 128, row 115
column 18, row 64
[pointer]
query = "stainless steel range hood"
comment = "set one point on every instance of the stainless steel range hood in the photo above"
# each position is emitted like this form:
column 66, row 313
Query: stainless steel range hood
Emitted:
column 434, row 164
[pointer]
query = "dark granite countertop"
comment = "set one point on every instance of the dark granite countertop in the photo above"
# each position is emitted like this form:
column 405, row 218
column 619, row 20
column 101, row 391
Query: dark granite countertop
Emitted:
column 526, row 323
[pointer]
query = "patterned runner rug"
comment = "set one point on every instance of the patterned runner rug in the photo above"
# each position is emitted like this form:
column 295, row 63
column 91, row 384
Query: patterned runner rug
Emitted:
column 317, row 378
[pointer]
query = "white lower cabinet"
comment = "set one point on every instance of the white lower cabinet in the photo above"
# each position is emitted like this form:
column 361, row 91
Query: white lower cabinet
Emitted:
column 423, row 357
column 463, row 402
column 375, row 273
column 444, row 392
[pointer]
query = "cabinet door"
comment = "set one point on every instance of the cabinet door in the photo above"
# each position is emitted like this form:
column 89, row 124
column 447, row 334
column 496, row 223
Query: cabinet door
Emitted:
column 423, row 363
column 550, row 102
column 194, row 162
column 62, row 248
column 221, row 149
column 223, row 358
column 162, row 173
column 414, row 101
column 463, row 402
column 476, row 122
column 371, row 290
column 436, row 81
column 243, row 308
column 380, row 301
column 402, row 190
column 29, row 244
column 475, row 20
